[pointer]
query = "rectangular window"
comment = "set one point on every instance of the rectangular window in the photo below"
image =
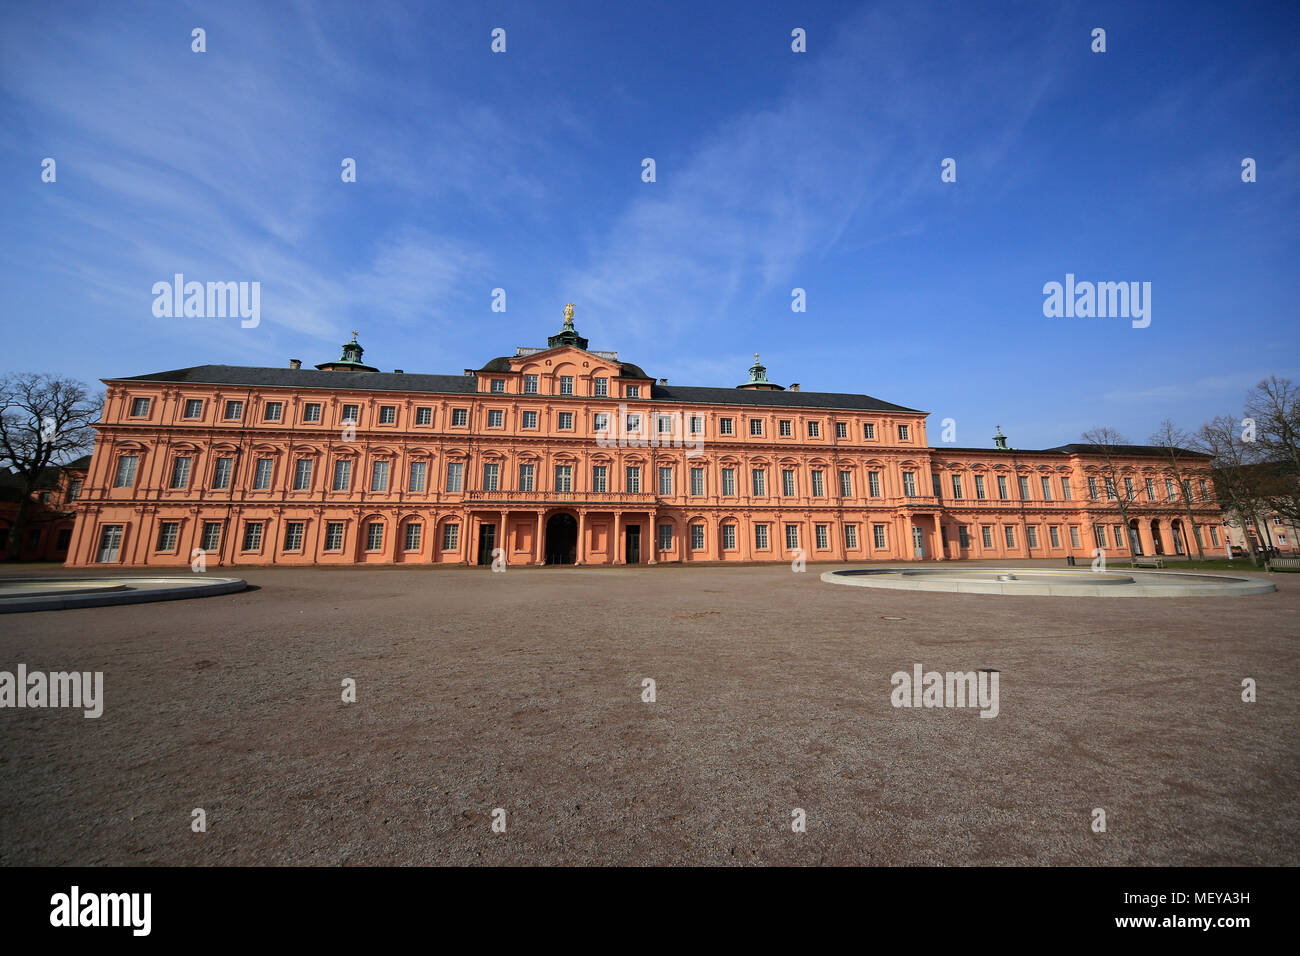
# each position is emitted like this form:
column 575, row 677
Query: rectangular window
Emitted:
column 823, row 536
column 986, row 536
column 665, row 481
column 633, row 425
column 211, row 539
column 530, row 420
column 252, row 536
column 1054, row 535
column 1066, row 493
column 728, row 482
column 334, row 536
column 351, row 413
column 818, row 483
column 181, row 471
column 760, row 537
column 417, row 476
column 963, row 536
column 424, row 416
column 633, row 479
column 814, row 429
column 168, row 532
column 262, row 474
column 756, row 426
column 1074, row 536
column 979, row 488
column 293, row 534
column 956, row 486
column 726, row 426
column 455, row 475
column 311, row 412
column 791, row 536
column 272, row 411
column 450, row 537
column 1031, row 535
column 634, row 391
column 342, row 475
column 496, row 418
column 459, row 417
column 787, row 482
column 387, row 414
column 697, row 425
column 302, row 475
column 374, row 536
column 868, row 430
column 566, row 421
column 414, row 531
column 1047, row 487
column 665, row 537
column 759, row 478
column 193, row 408
column 1092, row 488
column 878, row 535
column 601, row 387
column 379, row 476
column 600, row 422
column 697, row 481
column 1002, row 487
column 600, row 478
column 563, row 477
column 139, row 407
column 909, row 484
column 1110, row 489
column 527, row 477
column 1119, row 536
column 873, row 483
column 74, row 491
column 530, row 384
column 902, row 432
column 851, row 537
column 841, row 430
column 491, row 475
column 498, row 385
column 222, row 469
column 1205, row 491
column 1169, row 490
column 936, row 485
column 665, row 424
column 1214, row 536
column 786, row 427
column 1023, row 482
column 728, row 537
column 1128, row 489
column 846, row 484
column 1010, row 534
column 566, row 384
column 234, row 411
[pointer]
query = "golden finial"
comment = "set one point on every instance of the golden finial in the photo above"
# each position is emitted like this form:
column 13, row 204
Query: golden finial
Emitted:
column 354, row 336
column 568, row 316
column 755, row 356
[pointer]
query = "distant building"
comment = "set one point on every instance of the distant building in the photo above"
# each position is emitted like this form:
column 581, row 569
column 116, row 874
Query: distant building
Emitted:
column 565, row 454
column 48, row 524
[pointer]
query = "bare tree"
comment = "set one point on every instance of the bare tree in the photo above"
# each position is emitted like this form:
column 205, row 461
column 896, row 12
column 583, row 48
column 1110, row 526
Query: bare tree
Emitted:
column 1108, row 444
column 1175, row 442
column 43, row 421
column 1274, row 407
column 1235, row 475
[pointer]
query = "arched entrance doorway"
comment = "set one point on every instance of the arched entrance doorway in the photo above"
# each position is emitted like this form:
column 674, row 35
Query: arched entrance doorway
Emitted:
column 561, row 539
column 1156, row 542
column 1180, row 540
column 1134, row 538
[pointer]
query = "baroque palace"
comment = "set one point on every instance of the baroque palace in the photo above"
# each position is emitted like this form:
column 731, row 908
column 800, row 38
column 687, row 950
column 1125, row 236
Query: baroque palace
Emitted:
column 568, row 455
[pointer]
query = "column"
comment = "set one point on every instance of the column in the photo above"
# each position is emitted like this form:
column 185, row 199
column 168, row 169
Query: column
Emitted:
column 539, row 556
column 503, row 540
column 581, row 557
column 654, row 536
column 939, row 549
column 618, row 538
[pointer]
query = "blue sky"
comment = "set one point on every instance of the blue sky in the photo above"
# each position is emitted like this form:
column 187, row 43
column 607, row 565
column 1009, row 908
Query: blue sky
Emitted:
column 775, row 170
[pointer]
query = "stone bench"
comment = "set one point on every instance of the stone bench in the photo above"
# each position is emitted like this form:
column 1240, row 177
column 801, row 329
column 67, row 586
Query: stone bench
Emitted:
column 1288, row 564
column 1149, row 563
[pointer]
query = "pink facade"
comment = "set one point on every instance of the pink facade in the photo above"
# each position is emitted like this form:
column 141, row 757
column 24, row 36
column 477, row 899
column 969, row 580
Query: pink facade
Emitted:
column 347, row 465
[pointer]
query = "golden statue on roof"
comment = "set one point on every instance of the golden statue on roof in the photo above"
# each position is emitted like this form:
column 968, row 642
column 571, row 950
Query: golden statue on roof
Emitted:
column 568, row 316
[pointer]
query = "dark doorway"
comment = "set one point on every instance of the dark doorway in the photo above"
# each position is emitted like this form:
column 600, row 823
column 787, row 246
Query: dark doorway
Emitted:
column 561, row 539
column 633, row 544
column 487, row 542
column 1156, row 542
column 1134, row 539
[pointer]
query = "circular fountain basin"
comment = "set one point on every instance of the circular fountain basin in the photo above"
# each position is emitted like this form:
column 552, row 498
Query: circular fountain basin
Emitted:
column 1050, row 582
column 56, row 594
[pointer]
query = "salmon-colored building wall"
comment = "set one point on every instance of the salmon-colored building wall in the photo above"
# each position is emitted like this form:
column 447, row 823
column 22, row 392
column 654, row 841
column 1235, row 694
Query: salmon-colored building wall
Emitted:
column 166, row 512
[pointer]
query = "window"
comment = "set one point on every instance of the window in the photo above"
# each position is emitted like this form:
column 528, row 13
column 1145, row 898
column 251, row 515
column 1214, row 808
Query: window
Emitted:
column 450, row 537
column 979, row 487
column 566, row 384
column 222, row 469
column 334, row 536
column 193, row 408
column 759, row 478
column 168, row 532
column 379, row 476
column 1151, row 489
column 665, row 481
column 566, row 421
column 1205, row 491
column 563, row 477
column 181, row 471
column 729, row 482
column 600, row 422
column 491, row 475
column 459, row 417
column 1031, row 535
column 530, row 420
column 1092, row 488
column 1214, row 536
column 374, row 536
column 909, row 484
column 1066, row 493
column 139, row 407
column 841, row 430
column 728, row 537
column 963, row 536
column 665, row 537
column 1010, row 534
column 351, row 413
column 846, row 484
column 814, row 429
column 342, row 475
column 293, row 535
column 633, row 425
column 1119, row 536
column 455, row 475
column 387, row 414
column 1128, row 489
column 902, row 432
column 110, row 540
column 600, row 387
column 262, row 474
column 234, row 411
column 417, row 477
column 1023, row 482
column 786, row 427
column 633, row 478
column 424, row 416
column 818, row 483
column 756, row 426
column 498, row 385
column 787, row 482
column 496, row 418
column 956, row 486
column 1054, row 535
column 74, row 490
column 1110, row 489
column 1099, row 535
column 665, row 424
column 1002, row 487
column 600, row 478
column 986, row 535
column 527, row 477
column 1047, row 487
column 873, row 483
column 878, row 535
column 634, row 391
column 1074, row 536
column 697, row 424
column 936, row 485
column 697, row 481
column 311, row 412
column 272, row 411
column 791, row 536
column 252, row 536
column 726, row 426
column 1169, row 490
column 760, row 537
column 530, row 384
column 868, row 430
column 414, row 530
column 302, row 475
column 851, row 537
column 211, row 539
column 823, row 536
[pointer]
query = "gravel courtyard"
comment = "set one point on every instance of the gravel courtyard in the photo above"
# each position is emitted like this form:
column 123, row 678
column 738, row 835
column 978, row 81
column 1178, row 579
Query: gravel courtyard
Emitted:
column 523, row 691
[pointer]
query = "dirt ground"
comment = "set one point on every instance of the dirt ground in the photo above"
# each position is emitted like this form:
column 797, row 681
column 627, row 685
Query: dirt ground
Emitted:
column 523, row 691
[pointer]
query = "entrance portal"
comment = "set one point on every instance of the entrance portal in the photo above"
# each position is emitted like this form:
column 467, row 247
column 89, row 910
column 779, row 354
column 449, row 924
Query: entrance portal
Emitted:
column 633, row 555
column 561, row 539
column 487, row 542
column 918, row 543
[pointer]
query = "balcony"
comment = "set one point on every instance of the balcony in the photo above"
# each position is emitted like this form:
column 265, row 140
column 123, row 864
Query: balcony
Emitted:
column 569, row 497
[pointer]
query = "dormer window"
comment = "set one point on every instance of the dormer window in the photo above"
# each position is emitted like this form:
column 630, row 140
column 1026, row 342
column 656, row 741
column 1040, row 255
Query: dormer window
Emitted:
column 566, row 384
column 634, row 391
column 498, row 385
column 530, row 384
column 601, row 387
